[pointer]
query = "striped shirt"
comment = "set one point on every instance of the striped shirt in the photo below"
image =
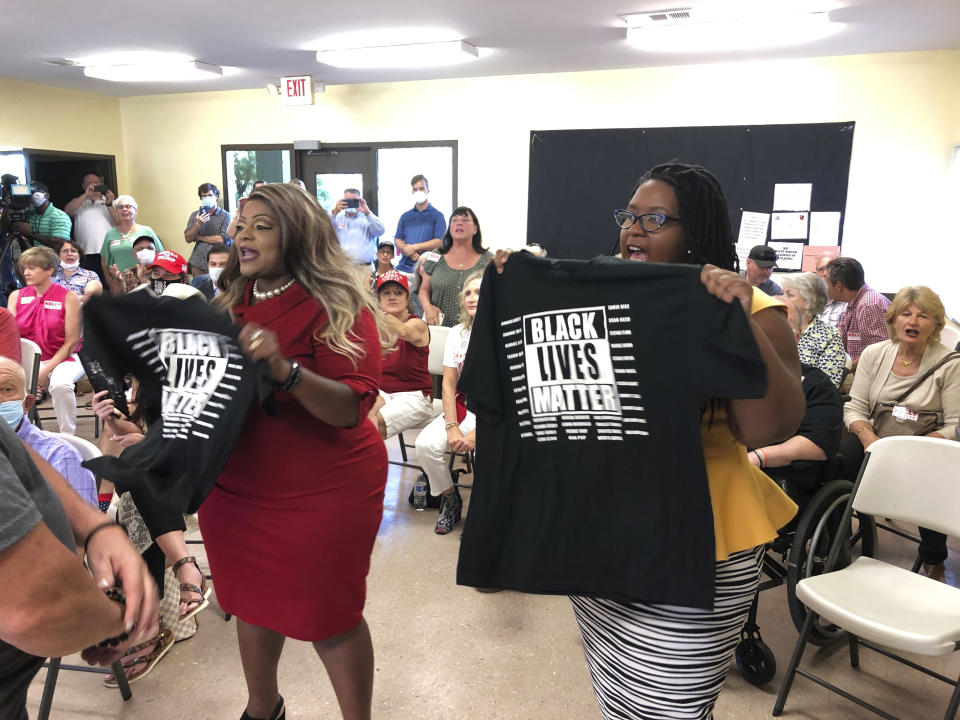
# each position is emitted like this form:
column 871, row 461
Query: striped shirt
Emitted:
column 863, row 322
column 63, row 457
column 54, row 222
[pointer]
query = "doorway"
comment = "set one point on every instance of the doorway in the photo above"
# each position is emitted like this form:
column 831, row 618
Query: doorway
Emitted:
column 63, row 171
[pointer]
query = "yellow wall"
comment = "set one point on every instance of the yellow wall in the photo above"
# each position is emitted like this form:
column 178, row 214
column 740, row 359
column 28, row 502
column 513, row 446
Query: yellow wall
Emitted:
column 46, row 118
column 906, row 107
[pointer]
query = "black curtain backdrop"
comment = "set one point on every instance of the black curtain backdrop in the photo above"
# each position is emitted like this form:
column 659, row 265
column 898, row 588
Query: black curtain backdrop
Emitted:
column 579, row 177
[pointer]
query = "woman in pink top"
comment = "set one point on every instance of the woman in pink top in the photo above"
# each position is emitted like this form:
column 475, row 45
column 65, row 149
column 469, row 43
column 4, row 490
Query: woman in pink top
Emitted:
column 49, row 314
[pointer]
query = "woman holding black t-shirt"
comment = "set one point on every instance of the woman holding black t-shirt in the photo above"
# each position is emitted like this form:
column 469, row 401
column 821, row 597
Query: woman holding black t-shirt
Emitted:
column 648, row 660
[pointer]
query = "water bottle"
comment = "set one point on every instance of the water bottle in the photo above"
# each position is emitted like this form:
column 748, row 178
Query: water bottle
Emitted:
column 420, row 493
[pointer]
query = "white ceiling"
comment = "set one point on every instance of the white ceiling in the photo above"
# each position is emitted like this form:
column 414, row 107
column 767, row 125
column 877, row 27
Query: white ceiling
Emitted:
column 264, row 40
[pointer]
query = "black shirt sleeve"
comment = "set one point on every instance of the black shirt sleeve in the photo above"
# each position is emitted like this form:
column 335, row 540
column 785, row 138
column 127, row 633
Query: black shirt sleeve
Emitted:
column 822, row 422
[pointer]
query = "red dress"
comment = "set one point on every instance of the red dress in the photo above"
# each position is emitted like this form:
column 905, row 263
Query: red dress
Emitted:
column 290, row 524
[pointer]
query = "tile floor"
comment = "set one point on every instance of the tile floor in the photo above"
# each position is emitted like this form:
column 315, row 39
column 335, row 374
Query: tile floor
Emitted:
column 444, row 651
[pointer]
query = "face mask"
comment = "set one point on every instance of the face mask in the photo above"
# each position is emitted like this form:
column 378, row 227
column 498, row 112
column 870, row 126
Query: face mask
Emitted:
column 39, row 199
column 419, row 196
column 69, row 266
column 146, row 256
column 208, row 202
column 12, row 412
column 159, row 285
column 214, row 273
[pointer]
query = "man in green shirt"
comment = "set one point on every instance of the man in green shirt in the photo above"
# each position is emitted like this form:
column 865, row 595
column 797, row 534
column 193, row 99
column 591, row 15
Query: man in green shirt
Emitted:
column 45, row 224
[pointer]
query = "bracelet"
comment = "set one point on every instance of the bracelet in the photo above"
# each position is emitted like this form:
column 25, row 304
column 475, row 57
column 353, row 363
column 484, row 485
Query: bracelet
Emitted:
column 863, row 429
column 295, row 376
column 98, row 528
column 760, row 458
column 117, row 595
column 451, row 424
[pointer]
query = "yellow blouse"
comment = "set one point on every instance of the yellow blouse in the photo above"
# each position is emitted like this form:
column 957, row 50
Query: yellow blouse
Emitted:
column 748, row 507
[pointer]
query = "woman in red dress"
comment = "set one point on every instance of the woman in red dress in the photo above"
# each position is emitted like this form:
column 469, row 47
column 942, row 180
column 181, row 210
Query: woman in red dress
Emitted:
column 290, row 525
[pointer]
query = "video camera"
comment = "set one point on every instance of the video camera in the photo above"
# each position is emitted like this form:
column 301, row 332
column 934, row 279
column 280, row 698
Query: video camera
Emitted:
column 15, row 197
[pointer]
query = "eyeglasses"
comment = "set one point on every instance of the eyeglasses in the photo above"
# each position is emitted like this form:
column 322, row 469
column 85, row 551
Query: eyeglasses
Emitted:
column 650, row 222
column 126, row 207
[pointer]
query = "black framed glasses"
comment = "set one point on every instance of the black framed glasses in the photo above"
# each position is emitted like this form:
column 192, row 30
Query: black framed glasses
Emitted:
column 650, row 222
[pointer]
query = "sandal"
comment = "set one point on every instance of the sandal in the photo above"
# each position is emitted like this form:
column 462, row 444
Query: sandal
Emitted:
column 203, row 591
column 279, row 713
column 162, row 642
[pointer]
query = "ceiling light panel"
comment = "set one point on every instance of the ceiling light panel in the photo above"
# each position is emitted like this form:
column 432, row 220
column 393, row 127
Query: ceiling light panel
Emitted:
column 414, row 55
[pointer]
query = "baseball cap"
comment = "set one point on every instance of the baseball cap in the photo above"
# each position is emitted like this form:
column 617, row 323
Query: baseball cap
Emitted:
column 393, row 276
column 385, row 243
column 170, row 261
column 763, row 255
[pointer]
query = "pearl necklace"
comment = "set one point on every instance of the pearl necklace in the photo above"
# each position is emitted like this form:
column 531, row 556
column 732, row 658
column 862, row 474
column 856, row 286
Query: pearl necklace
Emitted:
column 257, row 295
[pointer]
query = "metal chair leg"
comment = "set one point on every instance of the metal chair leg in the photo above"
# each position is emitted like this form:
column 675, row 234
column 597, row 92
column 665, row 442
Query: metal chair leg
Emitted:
column 791, row 670
column 117, row 669
column 49, row 687
column 403, row 447
column 854, row 650
column 954, row 703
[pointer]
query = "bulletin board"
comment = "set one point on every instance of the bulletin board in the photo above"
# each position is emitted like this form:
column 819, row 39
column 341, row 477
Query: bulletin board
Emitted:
column 786, row 185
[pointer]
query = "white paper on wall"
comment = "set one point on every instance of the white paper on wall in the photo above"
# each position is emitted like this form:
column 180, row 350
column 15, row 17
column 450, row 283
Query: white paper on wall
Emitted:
column 753, row 229
column 792, row 196
column 789, row 226
column 789, row 255
column 824, row 228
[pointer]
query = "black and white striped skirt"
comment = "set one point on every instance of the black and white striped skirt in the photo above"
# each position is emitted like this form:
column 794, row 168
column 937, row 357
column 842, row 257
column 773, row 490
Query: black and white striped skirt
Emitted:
column 649, row 662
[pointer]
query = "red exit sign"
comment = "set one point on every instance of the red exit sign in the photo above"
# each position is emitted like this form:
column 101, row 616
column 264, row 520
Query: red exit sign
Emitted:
column 297, row 90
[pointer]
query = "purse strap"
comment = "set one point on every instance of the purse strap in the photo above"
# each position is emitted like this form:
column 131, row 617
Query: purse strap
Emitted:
column 943, row 361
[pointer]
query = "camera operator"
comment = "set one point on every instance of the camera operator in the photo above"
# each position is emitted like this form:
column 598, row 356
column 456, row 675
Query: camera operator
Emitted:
column 357, row 228
column 44, row 224
column 14, row 202
column 93, row 215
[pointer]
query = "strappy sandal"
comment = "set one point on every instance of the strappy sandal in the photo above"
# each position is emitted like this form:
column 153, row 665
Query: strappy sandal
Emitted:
column 163, row 641
column 203, row 590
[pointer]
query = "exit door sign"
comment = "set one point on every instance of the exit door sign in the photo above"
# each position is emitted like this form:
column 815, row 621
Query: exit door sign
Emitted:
column 297, row 90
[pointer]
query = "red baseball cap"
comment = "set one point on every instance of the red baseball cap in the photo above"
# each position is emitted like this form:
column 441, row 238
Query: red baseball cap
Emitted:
column 170, row 261
column 393, row 276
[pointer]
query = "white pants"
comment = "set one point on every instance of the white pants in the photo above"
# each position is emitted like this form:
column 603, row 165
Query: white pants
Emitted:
column 432, row 444
column 405, row 410
column 62, row 388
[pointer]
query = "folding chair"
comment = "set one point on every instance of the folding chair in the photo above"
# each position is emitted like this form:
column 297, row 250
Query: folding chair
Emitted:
column 438, row 341
column 30, row 362
column 87, row 451
column 950, row 336
column 881, row 606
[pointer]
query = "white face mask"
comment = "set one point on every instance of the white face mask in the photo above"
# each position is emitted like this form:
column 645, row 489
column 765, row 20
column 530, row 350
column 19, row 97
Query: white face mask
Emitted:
column 208, row 201
column 214, row 273
column 146, row 256
column 419, row 196
column 39, row 199
column 69, row 266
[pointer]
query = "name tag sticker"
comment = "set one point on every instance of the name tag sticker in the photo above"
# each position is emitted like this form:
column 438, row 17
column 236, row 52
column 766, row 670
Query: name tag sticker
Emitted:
column 903, row 413
column 431, row 257
column 27, row 300
column 52, row 305
column 853, row 336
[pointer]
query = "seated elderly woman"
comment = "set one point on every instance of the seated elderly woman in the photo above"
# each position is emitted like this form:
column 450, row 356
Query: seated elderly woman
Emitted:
column 406, row 389
column 907, row 385
column 455, row 429
column 85, row 283
column 49, row 314
column 796, row 463
column 818, row 344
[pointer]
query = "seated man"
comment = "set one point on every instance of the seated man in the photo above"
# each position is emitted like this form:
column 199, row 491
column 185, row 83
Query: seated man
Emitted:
column 167, row 268
column 15, row 402
column 406, row 392
column 760, row 265
column 58, row 608
column 817, row 439
column 864, row 322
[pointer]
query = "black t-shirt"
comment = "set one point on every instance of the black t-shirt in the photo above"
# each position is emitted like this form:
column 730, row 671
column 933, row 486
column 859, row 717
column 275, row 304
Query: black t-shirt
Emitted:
column 185, row 354
column 589, row 381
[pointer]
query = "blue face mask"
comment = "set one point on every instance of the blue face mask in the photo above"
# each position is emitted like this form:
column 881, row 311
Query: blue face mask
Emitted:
column 12, row 412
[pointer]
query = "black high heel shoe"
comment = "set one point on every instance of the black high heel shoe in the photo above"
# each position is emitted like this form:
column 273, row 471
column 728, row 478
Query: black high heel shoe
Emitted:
column 279, row 713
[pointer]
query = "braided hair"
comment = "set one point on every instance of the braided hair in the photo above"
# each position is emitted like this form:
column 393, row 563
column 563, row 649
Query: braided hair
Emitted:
column 703, row 212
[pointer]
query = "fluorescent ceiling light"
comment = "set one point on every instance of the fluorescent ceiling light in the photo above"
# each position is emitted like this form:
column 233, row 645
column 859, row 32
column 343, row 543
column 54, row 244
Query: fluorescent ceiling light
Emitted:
column 413, row 55
column 147, row 67
column 748, row 33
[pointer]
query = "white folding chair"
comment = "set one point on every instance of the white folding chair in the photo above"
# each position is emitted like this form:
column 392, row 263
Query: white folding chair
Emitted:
column 883, row 607
column 438, row 341
column 30, row 362
column 950, row 336
column 87, row 451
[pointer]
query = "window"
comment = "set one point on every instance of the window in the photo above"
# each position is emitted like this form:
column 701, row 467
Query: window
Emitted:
column 244, row 165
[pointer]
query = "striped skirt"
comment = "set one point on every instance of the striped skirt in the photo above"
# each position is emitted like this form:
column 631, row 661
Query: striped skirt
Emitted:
column 649, row 662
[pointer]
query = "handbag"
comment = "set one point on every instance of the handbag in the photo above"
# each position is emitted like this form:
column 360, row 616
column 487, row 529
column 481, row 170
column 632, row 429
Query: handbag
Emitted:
column 919, row 422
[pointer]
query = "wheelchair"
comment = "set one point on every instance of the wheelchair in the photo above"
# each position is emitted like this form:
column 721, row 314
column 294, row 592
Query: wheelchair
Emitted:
column 801, row 551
